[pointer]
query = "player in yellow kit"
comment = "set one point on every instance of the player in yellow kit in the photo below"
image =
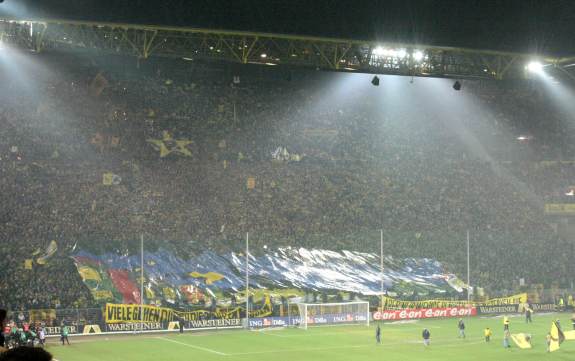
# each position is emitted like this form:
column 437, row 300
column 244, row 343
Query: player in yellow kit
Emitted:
column 487, row 333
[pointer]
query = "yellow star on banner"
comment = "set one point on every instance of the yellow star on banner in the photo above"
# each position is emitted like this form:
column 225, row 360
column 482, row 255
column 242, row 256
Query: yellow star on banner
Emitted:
column 167, row 145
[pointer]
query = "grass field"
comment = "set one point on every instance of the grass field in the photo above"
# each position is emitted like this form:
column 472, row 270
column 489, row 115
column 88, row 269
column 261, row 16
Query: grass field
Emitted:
column 400, row 341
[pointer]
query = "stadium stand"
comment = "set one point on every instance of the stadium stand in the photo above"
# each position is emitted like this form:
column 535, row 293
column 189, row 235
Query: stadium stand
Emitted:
column 105, row 153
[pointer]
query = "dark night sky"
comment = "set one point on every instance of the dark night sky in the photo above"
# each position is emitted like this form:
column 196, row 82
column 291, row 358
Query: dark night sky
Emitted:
column 519, row 25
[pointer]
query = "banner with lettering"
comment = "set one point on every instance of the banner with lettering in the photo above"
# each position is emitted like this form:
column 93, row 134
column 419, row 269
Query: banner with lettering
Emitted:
column 221, row 323
column 134, row 313
column 419, row 313
column 517, row 308
column 119, row 313
column 391, row 303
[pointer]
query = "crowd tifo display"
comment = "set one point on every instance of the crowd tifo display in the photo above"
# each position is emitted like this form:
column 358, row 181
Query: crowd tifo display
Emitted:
column 286, row 272
column 95, row 152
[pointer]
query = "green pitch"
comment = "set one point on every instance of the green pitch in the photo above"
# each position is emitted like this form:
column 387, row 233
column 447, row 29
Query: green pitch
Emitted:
column 400, row 341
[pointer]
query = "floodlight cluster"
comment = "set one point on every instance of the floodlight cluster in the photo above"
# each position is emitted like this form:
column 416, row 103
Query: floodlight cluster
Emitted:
column 400, row 53
column 534, row 67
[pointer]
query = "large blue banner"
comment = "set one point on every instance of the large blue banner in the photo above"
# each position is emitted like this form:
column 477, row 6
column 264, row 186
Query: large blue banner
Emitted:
column 207, row 276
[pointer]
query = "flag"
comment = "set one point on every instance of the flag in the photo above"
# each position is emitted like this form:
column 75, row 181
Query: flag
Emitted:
column 557, row 337
column 210, row 277
column 89, row 274
column 167, row 145
column 169, row 294
column 522, row 340
column 150, row 295
column 28, row 264
column 569, row 335
column 109, row 179
column 50, row 250
column 251, row 183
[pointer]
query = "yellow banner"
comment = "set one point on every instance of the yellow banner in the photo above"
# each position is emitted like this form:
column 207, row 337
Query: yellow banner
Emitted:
column 218, row 313
column 28, row 264
column 391, row 303
column 560, row 209
column 121, row 313
column 118, row 313
column 510, row 300
column 100, row 295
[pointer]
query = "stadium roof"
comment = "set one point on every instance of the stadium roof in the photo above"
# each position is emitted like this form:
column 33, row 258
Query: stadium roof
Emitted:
column 246, row 47
column 527, row 26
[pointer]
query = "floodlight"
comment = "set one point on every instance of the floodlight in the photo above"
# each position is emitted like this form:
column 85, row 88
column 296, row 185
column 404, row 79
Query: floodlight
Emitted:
column 401, row 53
column 534, row 67
column 379, row 51
column 375, row 81
column 418, row 55
column 264, row 55
column 389, row 52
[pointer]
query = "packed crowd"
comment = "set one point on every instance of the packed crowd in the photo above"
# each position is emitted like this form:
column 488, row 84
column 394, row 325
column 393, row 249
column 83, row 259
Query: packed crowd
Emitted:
column 193, row 159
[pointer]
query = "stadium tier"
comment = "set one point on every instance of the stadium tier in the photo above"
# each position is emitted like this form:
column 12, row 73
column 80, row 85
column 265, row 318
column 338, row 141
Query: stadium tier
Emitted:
column 97, row 154
column 250, row 179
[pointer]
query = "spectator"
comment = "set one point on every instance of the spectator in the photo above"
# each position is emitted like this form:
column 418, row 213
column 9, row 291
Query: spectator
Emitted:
column 295, row 166
column 26, row 354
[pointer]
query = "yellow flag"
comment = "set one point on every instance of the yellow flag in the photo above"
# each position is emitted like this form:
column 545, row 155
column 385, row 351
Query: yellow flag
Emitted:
column 569, row 335
column 50, row 250
column 149, row 293
column 109, row 179
column 522, row 340
column 169, row 293
column 88, row 273
column 210, row 277
column 557, row 337
column 251, row 183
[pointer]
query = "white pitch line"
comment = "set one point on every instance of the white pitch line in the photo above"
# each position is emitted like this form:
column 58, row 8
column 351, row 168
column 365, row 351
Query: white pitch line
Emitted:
column 273, row 334
column 194, row 346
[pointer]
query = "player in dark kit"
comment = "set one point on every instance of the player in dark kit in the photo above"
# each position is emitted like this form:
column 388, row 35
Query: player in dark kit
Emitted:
column 181, row 324
column 461, row 327
column 528, row 312
column 426, row 336
column 378, row 334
